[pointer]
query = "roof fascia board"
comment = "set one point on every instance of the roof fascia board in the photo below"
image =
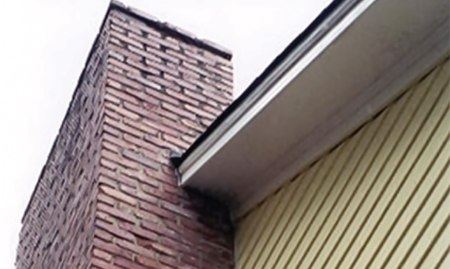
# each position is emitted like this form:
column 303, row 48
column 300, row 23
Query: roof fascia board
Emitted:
column 392, row 84
column 290, row 68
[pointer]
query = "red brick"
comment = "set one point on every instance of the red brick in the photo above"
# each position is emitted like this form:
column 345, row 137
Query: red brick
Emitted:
column 217, row 97
column 128, row 264
column 112, row 248
column 182, row 83
column 105, row 199
column 151, row 263
column 116, row 213
column 136, row 248
column 200, row 112
column 118, row 195
column 127, row 53
column 163, row 97
column 140, row 159
column 144, row 81
column 126, row 39
column 175, row 141
column 162, row 55
column 103, row 264
column 146, row 69
column 122, row 111
column 136, row 230
column 109, row 195
column 125, row 68
column 112, row 99
column 156, row 210
column 149, row 41
column 117, row 20
column 160, row 127
column 179, row 111
column 114, row 230
column 126, row 129
column 137, row 141
column 122, row 96
column 121, row 79
column 102, row 254
column 180, row 96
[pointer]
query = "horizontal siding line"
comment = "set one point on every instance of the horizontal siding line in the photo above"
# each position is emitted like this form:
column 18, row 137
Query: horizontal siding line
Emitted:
column 378, row 127
column 402, row 180
column 257, row 230
column 417, row 210
column 385, row 139
column 358, row 137
column 416, row 131
column 309, row 181
column 444, row 198
column 253, row 222
column 379, row 199
column 404, row 139
column 439, row 235
column 269, row 230
column 365, row 136
column 329, row 164
column 444, row 260
column 377, row 225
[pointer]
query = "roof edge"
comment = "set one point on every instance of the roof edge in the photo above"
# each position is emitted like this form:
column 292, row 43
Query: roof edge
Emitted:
column 173, row 30
column 177, row 161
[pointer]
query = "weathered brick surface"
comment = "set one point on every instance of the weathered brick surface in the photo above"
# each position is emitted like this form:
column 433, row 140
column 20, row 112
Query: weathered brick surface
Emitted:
column 108, row 195
column 58, row 226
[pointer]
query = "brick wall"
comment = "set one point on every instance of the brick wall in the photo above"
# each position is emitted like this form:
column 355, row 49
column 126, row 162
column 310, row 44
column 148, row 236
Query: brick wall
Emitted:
column 158, row 90
column 58, row 225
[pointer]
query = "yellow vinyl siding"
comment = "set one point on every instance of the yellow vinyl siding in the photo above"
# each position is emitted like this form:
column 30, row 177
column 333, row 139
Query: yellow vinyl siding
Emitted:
column 378, row 200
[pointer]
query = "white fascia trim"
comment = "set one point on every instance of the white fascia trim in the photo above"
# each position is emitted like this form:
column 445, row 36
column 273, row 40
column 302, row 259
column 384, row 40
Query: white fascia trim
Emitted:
column 434, row 49
column 269, row 89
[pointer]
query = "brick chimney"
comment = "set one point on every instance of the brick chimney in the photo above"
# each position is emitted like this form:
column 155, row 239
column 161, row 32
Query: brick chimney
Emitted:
column 108, row 195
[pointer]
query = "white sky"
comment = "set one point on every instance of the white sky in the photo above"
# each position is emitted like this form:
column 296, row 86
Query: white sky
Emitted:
column 44, row 45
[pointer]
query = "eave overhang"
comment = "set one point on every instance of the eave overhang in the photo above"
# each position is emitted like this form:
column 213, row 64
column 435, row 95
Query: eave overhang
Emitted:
column 349, row 64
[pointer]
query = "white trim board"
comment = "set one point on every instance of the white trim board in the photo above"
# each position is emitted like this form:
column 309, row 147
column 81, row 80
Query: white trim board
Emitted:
column 269, row 89
column 347, row 71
